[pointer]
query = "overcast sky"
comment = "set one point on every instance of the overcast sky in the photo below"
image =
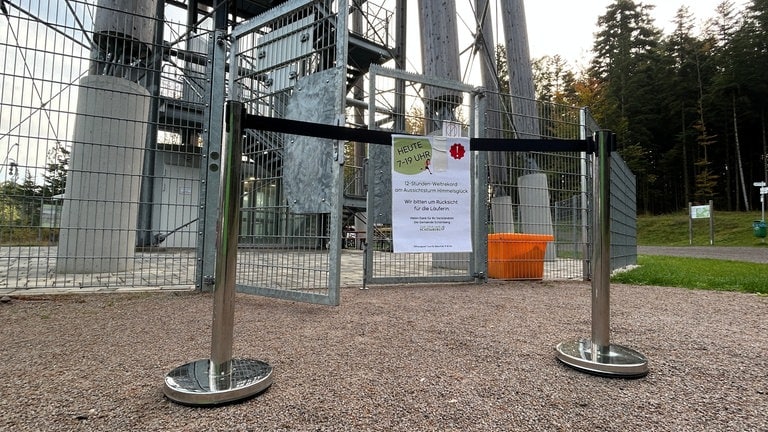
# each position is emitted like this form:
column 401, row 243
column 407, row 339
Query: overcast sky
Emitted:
column 564, row 27
column 549, row 21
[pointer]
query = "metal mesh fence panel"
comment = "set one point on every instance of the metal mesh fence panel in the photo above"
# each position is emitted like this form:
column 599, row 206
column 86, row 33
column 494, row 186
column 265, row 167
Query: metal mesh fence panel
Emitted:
column 562, row 181
column 99, row 139
column 623, row 206
column 623, row 214
column 538, row 193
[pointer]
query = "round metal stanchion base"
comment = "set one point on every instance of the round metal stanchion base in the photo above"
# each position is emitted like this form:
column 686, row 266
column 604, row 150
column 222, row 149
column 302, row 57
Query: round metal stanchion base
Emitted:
column 616, row 361
column 192, row 384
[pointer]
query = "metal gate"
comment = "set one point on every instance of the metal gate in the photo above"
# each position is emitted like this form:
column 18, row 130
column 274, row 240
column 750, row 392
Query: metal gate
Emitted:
column 289, row 63
column 428, row 106
column 538, row 191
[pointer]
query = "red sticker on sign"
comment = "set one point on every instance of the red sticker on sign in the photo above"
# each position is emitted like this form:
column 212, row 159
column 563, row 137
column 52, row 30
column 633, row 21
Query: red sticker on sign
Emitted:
column 457, row 151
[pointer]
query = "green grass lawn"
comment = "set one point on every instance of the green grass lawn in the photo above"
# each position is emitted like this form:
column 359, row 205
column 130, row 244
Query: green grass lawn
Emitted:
column 730, row 228
column 697, row 273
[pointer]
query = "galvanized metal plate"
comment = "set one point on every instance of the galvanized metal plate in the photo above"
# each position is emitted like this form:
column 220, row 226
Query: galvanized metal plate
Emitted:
column 192, row 383
column 615, row 361
column 307, row 168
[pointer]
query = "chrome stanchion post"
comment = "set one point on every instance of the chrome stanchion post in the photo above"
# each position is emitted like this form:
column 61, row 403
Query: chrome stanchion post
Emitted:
column 226, row 252
column 601, row 239
column 221, row 378
column 597, row 355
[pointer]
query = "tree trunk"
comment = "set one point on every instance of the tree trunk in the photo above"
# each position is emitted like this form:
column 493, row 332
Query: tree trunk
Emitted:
column 738, row 153
column 765, row 147
column 686, row 180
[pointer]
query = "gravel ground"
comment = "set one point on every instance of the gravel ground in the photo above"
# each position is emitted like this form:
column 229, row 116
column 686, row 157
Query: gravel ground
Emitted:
column 750, row 254
column 407, row 358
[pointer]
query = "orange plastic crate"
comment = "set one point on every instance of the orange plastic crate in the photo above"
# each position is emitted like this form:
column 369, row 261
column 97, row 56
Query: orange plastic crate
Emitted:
column 517, row 255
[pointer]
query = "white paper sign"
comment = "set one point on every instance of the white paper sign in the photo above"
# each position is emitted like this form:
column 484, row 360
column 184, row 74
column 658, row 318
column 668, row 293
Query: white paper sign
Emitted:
column 431, row 194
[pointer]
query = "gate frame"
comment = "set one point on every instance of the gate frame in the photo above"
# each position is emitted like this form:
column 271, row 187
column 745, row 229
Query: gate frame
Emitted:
column 332, row 296
column 478, row 171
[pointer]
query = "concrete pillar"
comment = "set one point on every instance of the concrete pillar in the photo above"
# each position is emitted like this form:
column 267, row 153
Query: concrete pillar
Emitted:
column 535, row 210
column 502, row 214
column 98, row 223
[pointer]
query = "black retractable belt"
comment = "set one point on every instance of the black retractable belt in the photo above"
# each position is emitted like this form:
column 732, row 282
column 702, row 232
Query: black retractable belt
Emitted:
column 318, row 130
